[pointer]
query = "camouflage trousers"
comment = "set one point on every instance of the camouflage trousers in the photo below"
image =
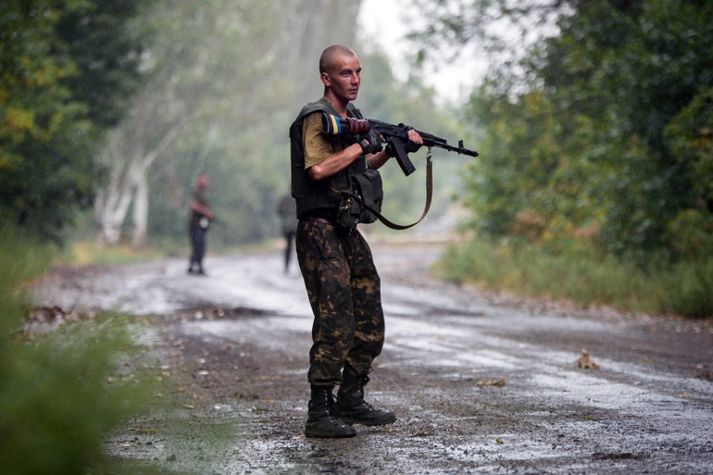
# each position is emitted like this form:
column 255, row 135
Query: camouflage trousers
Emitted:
column 344, row 291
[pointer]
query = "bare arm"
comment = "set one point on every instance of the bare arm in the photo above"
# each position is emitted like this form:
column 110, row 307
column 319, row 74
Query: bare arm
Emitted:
column 376, row 160
column 204, row 210
column 335, row 162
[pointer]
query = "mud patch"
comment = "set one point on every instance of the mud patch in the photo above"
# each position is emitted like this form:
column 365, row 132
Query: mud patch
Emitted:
column 210, row 312
column 617, row 456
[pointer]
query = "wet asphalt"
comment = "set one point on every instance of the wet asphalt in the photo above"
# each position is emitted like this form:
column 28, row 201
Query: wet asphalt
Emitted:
column 481, row 382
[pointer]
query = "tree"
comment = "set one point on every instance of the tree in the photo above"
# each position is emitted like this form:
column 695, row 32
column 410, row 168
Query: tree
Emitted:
column 593, row 141
column 59, row 59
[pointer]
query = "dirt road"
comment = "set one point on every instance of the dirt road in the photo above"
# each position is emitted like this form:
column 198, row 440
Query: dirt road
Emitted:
column 480, row 383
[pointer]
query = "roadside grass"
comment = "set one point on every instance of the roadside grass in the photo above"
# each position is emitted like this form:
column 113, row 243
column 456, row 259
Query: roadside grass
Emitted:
column 62, row 391
column 581, row 275
column 89, row 252
column 82, row 253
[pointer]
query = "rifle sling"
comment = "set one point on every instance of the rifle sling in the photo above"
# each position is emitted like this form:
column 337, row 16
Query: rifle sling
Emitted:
column 429, row 193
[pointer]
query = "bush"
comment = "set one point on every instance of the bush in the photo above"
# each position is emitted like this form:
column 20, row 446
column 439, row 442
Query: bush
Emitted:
column 585, row 276
column 689, row 289
column 60, row 392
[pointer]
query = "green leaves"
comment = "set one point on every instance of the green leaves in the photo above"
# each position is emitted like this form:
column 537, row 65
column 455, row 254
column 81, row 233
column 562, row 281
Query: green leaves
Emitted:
column 612, row 137
column 67, row 69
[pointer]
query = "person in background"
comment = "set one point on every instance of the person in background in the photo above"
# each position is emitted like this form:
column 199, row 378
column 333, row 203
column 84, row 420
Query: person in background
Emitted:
column 287, row 211
column 198, row 223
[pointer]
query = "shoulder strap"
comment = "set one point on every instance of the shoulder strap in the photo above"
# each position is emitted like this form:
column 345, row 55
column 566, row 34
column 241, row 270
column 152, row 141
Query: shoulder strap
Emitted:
column 429, row 194
column 353, row 111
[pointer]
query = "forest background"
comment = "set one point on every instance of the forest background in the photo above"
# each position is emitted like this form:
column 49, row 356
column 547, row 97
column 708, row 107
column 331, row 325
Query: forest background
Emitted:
column 593, row 121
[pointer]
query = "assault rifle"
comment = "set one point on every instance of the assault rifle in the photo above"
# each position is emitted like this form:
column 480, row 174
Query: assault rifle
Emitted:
column 395, row 135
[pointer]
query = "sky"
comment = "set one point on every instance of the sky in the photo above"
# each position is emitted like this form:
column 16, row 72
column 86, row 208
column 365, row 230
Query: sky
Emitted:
column 382, row 23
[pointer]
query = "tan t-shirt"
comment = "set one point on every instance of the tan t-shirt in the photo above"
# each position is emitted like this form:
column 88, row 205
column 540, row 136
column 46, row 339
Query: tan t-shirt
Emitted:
column 316, row 146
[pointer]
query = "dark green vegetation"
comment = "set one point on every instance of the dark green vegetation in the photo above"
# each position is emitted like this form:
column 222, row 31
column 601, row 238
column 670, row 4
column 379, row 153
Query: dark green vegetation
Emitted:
column 67, row 70
column 584, row 276
column 601, row 139
column 61, row 392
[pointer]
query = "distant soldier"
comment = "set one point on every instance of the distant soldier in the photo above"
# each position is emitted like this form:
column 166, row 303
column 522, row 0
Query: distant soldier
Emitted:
column 200, row 217
column 287, row 211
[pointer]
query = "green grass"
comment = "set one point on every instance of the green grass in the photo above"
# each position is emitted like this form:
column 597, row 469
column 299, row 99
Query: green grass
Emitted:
column 81, row 253
column 584, row 276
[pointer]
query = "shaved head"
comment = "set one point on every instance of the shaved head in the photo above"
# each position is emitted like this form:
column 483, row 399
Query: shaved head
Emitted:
column 327, row 59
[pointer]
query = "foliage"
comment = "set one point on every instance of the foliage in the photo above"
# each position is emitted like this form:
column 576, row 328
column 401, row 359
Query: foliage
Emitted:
column 599, row 137
column 632, row 73
column 498, row 30
column 67, row 69
column 91, row 252
column 57, row 398
column 584, row 275
column 609, row 135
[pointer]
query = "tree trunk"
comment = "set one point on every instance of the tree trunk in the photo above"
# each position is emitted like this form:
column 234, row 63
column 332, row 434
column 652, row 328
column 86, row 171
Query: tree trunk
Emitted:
column 141, row 211
column 113, row 202
column 129, row 180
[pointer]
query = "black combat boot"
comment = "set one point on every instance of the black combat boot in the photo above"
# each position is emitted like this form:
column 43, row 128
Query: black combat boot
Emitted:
column 321, row 421
column 352, row 408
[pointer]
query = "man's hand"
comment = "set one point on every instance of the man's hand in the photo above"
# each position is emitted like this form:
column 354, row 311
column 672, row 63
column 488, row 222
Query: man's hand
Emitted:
column 412, row 145
column 370, row 143
column 200, row 209
column 415, row 141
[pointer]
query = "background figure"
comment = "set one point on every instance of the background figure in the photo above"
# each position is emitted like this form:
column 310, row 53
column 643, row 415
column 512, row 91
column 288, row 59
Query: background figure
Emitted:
column 198, row 223
column 287, row 211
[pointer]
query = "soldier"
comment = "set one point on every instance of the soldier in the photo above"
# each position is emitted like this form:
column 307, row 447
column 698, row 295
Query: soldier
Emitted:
column 200, row 217
column 288, row 220
column 342, row 283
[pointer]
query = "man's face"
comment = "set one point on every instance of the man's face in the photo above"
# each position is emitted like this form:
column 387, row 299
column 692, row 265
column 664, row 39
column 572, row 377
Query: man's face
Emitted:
column 344, row 77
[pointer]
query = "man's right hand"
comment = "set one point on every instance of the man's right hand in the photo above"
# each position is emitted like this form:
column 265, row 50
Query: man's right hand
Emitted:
column 370, row 142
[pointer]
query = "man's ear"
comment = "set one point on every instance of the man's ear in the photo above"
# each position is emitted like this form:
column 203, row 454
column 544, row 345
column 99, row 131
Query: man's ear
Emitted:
column 326, row 80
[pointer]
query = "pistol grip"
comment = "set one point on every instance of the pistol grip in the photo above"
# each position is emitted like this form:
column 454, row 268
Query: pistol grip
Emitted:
column 402, row 156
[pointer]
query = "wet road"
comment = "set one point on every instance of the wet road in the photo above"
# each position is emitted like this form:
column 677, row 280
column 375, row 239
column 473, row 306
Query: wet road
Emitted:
column 480, row 383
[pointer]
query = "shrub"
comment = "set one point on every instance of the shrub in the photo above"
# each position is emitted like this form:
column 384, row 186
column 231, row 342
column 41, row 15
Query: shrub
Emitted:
column 585, row 276
column 61, row 392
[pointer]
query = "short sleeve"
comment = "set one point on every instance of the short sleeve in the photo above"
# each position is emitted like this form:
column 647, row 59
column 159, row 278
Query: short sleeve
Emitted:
column 316, row 147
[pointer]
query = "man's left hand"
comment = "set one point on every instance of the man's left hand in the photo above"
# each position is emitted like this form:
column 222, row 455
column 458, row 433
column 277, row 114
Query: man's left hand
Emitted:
column 415, row 141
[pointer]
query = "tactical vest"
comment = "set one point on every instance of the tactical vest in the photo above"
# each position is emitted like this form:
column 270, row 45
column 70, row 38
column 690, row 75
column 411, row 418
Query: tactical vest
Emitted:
column 326, row 193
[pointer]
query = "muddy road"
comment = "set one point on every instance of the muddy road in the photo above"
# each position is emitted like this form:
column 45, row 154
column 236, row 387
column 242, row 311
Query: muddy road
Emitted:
column 481, row 383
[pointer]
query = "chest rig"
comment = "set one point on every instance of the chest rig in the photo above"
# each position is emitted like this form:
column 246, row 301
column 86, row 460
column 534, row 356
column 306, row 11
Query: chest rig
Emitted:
column 326, row 194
